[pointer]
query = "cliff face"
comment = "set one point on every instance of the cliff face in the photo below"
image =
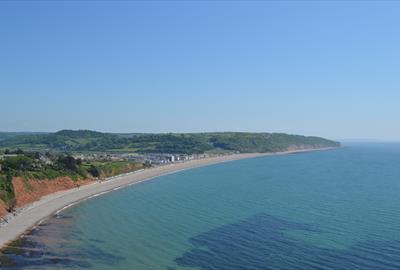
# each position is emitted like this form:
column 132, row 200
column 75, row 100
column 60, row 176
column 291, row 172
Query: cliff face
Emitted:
column 31, row 190
column 3, row 209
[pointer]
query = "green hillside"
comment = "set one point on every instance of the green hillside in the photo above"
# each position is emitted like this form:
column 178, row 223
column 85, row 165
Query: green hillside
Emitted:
column 189, row 143
column 7, row 135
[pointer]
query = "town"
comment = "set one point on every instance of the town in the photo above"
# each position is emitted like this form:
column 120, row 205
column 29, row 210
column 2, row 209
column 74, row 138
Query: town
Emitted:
column 148, row 159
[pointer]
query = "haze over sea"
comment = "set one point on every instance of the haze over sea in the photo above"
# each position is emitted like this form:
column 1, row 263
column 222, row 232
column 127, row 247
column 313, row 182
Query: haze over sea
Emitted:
column 334, row 209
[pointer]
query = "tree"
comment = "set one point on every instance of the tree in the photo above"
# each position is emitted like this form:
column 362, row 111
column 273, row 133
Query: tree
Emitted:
column 68, row 162
column 79, row 161
column 94, row 171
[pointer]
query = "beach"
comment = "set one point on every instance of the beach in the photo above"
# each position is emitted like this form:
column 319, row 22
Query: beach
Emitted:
column 27, row 217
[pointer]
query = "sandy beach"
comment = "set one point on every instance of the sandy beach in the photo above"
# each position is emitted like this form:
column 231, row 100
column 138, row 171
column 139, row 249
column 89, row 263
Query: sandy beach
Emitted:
column 26, row 218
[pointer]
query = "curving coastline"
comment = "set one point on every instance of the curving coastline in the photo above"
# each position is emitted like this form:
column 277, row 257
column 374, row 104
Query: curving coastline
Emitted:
column 35, row 213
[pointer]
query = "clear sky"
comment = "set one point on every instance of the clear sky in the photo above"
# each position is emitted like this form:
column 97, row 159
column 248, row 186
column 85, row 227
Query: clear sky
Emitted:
column 316, row 68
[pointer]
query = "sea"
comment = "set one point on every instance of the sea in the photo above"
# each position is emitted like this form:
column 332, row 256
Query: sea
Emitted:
column 337, row 209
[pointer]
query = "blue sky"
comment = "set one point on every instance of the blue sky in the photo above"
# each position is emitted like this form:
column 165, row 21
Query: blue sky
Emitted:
column 316, row 68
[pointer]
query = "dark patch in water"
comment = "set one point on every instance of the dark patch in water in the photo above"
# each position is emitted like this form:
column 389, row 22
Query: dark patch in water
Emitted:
column 97, row 241
column 49, row 245
column 259, row 242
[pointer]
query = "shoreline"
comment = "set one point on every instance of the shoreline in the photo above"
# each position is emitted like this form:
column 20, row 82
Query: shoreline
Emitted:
column 29, row 216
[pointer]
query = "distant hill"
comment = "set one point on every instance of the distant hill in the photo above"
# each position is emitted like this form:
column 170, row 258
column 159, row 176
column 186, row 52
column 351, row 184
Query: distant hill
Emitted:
column 190, row 143
column 7, row 135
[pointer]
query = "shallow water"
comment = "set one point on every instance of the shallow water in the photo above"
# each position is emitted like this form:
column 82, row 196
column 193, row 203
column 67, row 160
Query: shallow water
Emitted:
column 320, row 210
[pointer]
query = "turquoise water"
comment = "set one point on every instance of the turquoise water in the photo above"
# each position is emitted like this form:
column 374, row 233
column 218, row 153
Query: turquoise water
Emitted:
column 320, row 210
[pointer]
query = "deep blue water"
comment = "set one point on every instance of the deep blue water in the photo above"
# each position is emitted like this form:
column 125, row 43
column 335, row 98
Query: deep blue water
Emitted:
column 320, row 210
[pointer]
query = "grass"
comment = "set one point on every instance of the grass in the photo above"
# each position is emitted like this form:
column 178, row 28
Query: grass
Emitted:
column 50, row 174
column 6, row 189
column 111, row 168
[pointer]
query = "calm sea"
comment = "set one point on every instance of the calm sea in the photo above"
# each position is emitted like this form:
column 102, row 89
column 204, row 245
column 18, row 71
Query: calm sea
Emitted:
column 335, row 209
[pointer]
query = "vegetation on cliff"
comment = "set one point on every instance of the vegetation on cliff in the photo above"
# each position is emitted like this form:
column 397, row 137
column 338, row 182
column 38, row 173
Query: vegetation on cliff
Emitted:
column 48, row 166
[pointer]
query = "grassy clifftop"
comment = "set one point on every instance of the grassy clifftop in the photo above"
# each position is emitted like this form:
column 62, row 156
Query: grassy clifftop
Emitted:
column 188, row 143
